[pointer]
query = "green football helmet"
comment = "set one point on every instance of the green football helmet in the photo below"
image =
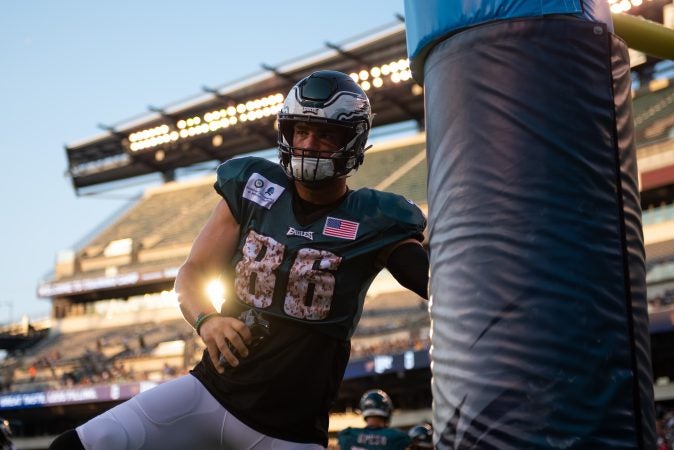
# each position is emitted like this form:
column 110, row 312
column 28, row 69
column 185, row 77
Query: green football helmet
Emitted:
column 376, row 402
column 331, row 98
column 421, row 435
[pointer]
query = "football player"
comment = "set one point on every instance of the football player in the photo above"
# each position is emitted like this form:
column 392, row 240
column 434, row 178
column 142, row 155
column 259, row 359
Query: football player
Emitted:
column 376, row 408
column 299, row 250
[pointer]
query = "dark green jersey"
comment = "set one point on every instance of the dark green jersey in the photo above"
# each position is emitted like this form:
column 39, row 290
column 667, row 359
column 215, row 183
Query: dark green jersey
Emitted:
column 309, row 280
column 319, row 273
column 372, row 438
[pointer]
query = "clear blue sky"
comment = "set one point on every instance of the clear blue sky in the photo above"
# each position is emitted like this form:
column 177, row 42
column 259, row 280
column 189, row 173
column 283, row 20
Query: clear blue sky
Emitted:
column 67, row 66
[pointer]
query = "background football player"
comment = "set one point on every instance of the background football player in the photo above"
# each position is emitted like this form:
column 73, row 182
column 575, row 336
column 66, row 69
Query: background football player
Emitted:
column 376, row 407
column 298, row 247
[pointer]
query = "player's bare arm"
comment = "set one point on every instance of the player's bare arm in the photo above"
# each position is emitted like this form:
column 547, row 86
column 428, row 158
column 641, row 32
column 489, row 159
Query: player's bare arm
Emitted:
column 213, row 247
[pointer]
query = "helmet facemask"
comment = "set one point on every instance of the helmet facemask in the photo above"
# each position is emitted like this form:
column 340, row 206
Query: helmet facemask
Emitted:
column 314, row 165
column 325, row 98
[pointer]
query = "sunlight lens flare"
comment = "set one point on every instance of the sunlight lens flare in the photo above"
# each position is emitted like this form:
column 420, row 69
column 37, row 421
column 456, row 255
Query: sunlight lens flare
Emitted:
column 216, row 293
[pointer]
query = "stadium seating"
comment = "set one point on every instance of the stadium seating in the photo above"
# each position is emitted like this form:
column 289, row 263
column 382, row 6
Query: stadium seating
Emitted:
column 653, row 108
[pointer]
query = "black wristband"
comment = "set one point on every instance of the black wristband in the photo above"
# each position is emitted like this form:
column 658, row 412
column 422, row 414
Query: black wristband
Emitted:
column 202, row 318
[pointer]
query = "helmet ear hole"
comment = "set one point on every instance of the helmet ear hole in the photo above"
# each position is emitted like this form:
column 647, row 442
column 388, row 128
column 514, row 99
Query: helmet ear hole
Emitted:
column 286, row 131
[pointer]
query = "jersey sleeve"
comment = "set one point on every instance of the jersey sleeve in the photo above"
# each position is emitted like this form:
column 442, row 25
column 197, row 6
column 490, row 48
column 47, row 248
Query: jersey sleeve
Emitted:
column 409, row 218
column 231, row 179
column 345, row 438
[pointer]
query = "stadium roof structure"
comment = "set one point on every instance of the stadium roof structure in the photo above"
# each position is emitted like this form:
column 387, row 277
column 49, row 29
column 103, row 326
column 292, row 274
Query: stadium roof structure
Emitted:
column 239, row 117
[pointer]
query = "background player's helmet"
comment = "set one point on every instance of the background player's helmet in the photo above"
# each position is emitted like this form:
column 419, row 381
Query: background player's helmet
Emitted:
column 421, row 436
column 376, row 403
column 324, row 97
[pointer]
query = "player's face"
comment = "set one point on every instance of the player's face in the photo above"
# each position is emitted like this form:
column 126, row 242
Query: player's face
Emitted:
column 321, row 138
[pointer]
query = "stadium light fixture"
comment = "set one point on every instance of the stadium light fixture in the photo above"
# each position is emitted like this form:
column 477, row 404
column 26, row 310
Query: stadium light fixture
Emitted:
column 375, row 77
column 393, row 72
column 621, row 6
column 209, row 122
column 92, row 167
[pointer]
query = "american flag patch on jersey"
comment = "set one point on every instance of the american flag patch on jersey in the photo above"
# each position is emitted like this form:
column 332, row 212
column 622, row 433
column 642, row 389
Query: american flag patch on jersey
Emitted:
column 340, row 228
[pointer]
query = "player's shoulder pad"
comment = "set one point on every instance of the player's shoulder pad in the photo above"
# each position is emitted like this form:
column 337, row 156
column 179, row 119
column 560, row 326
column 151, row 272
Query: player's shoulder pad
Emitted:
column 348, row 433
column 400, row 433
column 394, row 206
column 239, row 169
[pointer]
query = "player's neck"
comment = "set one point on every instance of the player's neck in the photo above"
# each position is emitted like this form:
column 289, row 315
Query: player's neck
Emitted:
column 375, row 422
column 323, row 193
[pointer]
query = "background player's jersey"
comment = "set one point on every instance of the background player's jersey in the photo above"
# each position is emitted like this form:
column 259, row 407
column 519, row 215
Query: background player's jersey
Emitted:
column 316, row 273
column 371, row 438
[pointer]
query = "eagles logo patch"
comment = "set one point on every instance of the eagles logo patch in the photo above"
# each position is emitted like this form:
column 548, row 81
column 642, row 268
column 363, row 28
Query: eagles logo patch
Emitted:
column 305, row 234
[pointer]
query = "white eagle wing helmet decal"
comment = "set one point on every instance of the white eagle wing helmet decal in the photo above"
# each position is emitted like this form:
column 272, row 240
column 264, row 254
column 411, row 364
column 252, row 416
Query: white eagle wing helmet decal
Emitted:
column 327, row 97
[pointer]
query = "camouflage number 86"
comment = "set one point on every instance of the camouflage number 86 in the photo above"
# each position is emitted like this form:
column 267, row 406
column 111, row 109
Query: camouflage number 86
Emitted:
column 310, row 281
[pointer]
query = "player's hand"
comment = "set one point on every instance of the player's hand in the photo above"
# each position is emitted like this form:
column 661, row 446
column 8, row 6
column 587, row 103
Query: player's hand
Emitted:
column 220, row 331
